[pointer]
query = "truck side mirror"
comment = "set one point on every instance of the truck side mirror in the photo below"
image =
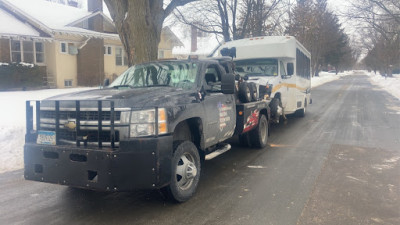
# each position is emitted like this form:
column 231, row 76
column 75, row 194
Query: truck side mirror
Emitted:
column 106, row 82
column 228, row 83
column 290, row 69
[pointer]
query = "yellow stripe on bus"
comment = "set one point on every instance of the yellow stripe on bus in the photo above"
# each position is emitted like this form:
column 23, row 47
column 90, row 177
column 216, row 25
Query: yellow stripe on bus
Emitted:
column 279, row 86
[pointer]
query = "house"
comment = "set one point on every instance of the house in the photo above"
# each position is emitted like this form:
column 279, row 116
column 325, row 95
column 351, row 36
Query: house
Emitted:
column 75, row 47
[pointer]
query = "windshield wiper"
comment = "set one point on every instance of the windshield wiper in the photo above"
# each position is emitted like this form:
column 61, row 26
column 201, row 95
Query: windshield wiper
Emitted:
column 123, row 85
column 158, row 85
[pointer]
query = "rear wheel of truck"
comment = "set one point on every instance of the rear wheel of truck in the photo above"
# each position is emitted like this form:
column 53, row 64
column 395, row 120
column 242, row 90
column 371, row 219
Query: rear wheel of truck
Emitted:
column 253, row 91
column 244, row 92
column 259, row 136
column 185, row 171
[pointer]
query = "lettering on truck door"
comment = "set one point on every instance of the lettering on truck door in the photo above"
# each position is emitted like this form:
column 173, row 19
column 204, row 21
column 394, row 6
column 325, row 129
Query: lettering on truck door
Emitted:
column 220, row 110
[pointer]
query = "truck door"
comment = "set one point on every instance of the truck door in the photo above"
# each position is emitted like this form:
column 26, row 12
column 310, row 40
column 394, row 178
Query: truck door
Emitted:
column 219, row 108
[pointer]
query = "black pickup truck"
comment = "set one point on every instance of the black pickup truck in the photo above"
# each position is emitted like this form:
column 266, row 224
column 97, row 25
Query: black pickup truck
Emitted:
column 149, row 129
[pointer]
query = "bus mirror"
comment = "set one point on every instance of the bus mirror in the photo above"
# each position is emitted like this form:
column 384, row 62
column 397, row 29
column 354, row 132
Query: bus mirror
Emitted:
column 290, row 69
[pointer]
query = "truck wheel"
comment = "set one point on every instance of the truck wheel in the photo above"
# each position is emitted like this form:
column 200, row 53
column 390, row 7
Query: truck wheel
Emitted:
column 253, row 91
column 259, row 136
column 244, row 92
column 185, row 171
column 274, row 109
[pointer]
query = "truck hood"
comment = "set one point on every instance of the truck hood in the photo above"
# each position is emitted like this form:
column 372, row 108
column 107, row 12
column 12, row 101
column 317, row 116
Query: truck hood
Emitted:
column 135, row 98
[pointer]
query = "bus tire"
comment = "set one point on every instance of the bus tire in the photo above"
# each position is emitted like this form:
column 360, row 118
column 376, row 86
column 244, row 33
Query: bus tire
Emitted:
column 259, row 136
column 302, row 112
column 185, row 172
column 244, row 92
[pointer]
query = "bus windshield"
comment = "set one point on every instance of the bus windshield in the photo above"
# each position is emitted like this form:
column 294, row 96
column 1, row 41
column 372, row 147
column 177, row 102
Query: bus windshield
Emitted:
column 257, row 67
column 173, row 74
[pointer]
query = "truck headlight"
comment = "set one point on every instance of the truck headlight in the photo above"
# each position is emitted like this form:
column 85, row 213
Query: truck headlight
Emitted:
column 144, row 123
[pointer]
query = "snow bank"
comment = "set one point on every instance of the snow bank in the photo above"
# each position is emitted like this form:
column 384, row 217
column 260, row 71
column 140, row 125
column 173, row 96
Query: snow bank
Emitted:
column 325, row 77
column 390, row 84
column 12, row 124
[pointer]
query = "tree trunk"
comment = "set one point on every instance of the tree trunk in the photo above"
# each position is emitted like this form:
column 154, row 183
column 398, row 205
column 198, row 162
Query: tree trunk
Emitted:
column 139, row 25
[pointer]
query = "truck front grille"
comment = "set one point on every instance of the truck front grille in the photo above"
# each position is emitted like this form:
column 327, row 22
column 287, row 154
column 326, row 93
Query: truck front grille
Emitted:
column 84, row 115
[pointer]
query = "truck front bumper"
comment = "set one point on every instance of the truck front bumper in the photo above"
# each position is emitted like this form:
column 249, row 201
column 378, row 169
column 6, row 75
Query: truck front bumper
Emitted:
column 137, row 164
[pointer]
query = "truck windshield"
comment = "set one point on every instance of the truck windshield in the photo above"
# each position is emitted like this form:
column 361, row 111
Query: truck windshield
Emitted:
column 257, row 67
column 173, row 74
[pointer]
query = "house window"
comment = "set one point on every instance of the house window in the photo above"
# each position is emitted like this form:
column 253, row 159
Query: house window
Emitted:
column 85, row 24
column 160, row 54
column 120, row 57
column 27, row 51
column 64, row 47
column 67, row 83
column 16, row 51
column 39, row 49
column 107, row 50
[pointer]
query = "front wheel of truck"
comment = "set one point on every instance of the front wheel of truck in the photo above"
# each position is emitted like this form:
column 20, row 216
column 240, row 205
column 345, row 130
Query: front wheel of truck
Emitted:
column 185, row 171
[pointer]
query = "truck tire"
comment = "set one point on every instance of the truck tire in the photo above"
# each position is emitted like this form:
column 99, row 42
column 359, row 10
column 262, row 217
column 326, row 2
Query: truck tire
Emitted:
column 274, row 109
column 244, row 92
column 259, row 136
column 253, row 91
column 185, row 171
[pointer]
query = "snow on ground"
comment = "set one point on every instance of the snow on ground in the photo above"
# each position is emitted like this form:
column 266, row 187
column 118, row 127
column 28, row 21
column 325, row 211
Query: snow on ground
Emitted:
column 12, row 123
column 325, row 77
column 390, row 84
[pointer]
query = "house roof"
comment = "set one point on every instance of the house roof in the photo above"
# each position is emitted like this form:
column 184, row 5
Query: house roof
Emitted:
column 54, row 18
column 11, row 26
column 44, row 18
column 172, row 37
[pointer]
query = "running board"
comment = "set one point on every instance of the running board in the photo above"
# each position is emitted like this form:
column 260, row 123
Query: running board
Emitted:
column 218, row 152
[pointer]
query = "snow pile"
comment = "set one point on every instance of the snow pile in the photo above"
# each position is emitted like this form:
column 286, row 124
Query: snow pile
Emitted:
column 390, row 84
column 325, row 77
column 12, row 124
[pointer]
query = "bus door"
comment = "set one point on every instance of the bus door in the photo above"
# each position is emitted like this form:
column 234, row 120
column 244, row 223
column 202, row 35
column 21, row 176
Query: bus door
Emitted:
column 288, row 90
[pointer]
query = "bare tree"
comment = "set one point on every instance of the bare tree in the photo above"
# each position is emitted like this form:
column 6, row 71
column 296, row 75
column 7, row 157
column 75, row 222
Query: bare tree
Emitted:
column 378, row 21
column 320, row 32
column 232, row 19
column 139, row 25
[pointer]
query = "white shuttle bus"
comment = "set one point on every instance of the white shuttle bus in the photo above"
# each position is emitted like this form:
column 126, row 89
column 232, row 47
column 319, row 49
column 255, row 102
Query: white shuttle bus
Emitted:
column 279, row 65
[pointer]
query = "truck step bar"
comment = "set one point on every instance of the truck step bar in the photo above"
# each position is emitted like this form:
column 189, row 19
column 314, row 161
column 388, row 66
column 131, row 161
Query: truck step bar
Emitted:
column 225, row 148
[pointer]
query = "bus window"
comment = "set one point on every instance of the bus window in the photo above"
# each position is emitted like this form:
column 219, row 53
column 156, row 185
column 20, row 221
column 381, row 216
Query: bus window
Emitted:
column 257, row 67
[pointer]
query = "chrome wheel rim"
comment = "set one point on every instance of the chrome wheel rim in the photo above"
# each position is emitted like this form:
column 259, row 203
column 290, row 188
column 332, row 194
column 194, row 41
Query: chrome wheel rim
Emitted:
column 186, row 171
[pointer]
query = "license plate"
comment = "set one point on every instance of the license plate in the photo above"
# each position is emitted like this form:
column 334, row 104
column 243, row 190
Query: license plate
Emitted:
column 46, row 137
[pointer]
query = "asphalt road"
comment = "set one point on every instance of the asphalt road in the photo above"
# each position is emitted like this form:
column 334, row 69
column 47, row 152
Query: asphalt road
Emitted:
column 340, row 164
